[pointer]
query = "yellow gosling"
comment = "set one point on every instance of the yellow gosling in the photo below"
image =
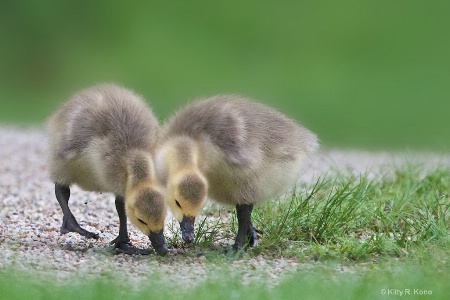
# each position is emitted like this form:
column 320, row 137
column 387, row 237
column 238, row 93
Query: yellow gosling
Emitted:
column 234, row 151
column 103, row 139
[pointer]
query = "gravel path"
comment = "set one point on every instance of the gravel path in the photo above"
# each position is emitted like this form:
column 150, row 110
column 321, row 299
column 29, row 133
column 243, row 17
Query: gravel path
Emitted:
column 30, row 219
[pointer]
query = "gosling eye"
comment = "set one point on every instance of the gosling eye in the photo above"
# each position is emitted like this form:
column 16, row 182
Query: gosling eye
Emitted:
column 178, row 203
column 142, row 222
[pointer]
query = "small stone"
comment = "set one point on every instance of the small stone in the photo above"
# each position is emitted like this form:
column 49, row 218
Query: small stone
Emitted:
column 201, row 258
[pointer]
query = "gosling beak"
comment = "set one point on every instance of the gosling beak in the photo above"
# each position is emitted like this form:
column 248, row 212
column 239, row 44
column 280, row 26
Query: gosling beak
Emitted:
column 187, row 229
column 158, row 242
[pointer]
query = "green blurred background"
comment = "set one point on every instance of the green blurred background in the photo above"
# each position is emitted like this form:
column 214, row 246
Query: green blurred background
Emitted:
column 364, row 74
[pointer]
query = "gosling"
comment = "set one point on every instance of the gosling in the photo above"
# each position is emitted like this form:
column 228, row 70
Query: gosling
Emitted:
column 103, row 139
column 234, row 151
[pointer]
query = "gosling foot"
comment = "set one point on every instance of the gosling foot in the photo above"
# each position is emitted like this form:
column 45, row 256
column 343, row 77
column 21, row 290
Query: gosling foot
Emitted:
column 126, row 247
column 251, row 239
column 247, row 235
column 70, row 224
column 252, row 236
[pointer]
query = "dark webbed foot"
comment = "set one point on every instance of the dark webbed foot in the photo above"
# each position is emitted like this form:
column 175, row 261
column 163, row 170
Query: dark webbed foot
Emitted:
column 247, row 235
column 252, row 236
column 126, row 247
column 69, row 224
column 251, row 241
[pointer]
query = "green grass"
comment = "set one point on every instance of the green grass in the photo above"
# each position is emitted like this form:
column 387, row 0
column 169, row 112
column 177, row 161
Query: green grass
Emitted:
column 357, row 218
column 360, row 237
column 324, row 282
column 352, row 217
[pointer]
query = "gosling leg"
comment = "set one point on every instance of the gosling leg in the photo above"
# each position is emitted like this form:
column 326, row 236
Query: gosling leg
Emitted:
column 122, row 242
column 247, row 234
column 70, row 224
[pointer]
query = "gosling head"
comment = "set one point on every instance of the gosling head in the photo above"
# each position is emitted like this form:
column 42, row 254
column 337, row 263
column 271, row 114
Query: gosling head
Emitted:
column 146, row 210
column 186, row 196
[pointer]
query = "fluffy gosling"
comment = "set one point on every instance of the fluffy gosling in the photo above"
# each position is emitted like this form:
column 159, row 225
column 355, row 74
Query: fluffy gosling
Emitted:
column 231, row 150
column 103, row 140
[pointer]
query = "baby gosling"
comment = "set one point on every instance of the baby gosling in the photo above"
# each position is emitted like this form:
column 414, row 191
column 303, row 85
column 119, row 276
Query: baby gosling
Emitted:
column 103, row 140
column 234, row 151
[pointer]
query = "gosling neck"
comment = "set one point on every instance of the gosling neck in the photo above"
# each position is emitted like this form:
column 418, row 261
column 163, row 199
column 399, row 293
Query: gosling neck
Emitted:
column 182, row 156
column 140, row 168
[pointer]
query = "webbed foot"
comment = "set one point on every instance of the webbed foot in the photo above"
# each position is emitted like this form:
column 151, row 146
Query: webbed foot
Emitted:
column 70, row 224
column 247, row 235
column 126, row 247
column 251, row 241
column 252, row 236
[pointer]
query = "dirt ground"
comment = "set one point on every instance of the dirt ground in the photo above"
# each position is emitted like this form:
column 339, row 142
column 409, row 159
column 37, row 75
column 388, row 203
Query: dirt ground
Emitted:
column 30, row 218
